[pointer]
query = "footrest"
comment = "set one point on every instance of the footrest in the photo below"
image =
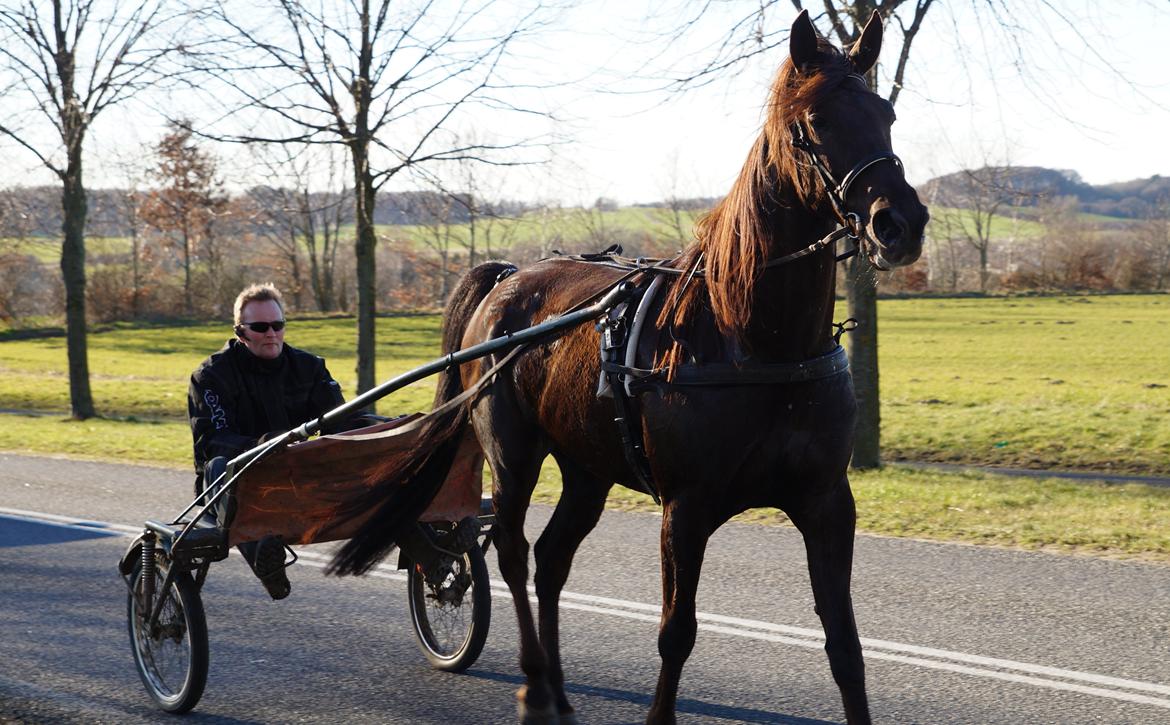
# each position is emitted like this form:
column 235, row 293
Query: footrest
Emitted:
column 204, row 541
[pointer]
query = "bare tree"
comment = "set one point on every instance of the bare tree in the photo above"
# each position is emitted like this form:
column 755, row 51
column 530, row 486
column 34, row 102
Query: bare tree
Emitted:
column 131, row 205
column 981, row 196
column 1154, row 241
column 389, row 82
column 437, row 224
column 596, row 223
column 300, row 222
column 64, row 62
column 1080, row 261
column 677, row 215
column 18, row 278
column 473, row 192
column 500, row 224
column 943, row 254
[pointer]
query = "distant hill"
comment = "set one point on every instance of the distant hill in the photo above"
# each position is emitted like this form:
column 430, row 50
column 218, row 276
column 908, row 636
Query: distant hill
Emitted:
column 1032, row 185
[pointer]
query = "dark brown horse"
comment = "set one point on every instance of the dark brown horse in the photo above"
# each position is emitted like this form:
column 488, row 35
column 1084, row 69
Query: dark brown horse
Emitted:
column 822, row 159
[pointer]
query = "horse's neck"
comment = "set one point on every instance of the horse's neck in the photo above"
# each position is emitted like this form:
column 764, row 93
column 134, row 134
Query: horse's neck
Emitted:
column 792, row 311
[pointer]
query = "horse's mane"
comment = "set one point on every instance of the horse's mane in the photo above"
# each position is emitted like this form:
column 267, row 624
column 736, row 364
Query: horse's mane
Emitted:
column 734, row 238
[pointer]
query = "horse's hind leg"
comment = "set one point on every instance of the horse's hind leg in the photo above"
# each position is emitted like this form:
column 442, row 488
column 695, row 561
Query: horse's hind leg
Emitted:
column 827, row 523
column 686, row 526
column 515, row 455
column 580, row 506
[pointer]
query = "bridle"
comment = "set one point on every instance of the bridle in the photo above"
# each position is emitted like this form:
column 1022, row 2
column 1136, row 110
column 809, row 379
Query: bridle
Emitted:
column 850, row 223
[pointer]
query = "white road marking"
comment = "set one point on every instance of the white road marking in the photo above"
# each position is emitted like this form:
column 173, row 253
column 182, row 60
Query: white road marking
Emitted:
column 1106, row 686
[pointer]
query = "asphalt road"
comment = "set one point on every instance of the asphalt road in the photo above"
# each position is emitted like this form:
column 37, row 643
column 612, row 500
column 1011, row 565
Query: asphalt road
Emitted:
column 953, row 633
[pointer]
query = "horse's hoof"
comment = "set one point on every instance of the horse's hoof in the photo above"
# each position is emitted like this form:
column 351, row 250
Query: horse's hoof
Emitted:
column 567, row 718
column 529, row 715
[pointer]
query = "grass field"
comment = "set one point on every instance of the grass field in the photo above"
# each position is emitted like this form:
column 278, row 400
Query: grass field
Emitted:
column 1046, row 383
column 47, row 250
column 632, row 224
column 1035, row 382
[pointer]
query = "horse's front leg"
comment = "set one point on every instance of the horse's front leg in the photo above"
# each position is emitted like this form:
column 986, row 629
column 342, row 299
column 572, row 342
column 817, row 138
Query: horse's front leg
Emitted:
column 827, row 522
column 685, row 530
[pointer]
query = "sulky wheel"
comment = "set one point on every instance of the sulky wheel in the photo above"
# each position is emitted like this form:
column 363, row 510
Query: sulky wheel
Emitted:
column 451, row 617
column 171, row 656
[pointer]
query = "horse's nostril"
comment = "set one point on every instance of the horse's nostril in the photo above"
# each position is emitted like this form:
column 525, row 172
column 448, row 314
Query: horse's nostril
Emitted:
column 888, row 226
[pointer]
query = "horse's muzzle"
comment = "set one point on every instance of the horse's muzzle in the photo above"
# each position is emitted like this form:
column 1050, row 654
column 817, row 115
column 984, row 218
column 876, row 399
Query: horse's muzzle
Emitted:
column 898, row 240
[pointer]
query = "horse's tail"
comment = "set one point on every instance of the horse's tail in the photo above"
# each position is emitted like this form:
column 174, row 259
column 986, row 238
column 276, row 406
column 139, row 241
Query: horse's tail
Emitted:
column 407, row 483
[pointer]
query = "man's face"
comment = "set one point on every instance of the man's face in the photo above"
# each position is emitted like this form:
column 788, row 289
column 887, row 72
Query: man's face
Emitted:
column 266, row 345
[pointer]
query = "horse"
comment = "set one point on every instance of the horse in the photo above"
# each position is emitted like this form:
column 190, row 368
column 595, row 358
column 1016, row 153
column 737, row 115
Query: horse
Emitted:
column 751, row 297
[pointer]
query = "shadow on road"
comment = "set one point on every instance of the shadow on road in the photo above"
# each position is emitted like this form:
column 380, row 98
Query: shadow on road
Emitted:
column 685, row 705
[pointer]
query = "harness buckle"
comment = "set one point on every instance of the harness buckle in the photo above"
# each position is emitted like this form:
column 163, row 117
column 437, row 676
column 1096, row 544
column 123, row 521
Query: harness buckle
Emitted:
column 848, row 325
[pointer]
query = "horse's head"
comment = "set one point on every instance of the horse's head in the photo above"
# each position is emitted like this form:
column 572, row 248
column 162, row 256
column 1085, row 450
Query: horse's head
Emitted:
column 830, row 133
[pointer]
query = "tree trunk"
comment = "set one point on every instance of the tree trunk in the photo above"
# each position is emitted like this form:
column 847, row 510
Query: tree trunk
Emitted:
column 863, row 360
column 365, row 195
column 74, row 205
column 861, row 291
column 136, row 298
column 315, row 281
column 365, row 248
column 983, row 273
column 187, row 270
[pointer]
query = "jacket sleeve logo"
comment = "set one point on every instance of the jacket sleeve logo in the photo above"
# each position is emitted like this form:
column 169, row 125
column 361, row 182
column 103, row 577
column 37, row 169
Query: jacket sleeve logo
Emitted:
column 217, row 415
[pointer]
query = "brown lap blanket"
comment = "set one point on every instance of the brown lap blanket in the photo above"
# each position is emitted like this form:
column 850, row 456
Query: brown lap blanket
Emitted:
column 295, row 491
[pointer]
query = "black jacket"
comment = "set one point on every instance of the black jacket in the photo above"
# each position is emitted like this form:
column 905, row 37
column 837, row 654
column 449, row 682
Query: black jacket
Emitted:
column 235, row 398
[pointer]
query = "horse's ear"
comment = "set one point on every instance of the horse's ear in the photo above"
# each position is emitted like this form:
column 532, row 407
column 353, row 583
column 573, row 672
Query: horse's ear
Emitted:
column 802, row 41
column 865, row 51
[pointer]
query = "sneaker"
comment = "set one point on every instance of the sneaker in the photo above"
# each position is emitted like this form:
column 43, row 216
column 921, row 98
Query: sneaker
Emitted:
column 267, row 562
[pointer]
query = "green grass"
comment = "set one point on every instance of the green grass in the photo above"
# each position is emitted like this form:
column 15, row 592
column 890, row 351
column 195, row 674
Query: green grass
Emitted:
column 47, row 250
column 1018, row 223
column 632, row 224
column 142, row 371
column 1035, row 382
column 1129, row 521
column 1003, row 225
column 1062, row 382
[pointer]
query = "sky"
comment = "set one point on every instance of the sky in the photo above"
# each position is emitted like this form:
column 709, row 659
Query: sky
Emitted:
column 1088, row 92
column 1072, row 111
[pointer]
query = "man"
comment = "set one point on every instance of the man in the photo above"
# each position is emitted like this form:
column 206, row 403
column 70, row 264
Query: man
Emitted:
column 254, row 388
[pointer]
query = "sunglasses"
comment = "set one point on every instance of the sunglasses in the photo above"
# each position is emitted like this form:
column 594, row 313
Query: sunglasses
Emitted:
column 260, row 327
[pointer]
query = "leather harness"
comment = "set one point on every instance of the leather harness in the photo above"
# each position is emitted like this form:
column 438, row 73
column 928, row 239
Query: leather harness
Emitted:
column 623, row 381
